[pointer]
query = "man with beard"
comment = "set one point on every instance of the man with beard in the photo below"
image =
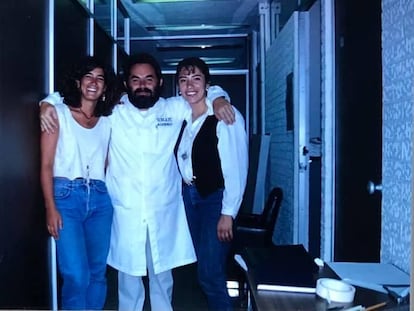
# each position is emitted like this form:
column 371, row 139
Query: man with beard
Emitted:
column 149, row 229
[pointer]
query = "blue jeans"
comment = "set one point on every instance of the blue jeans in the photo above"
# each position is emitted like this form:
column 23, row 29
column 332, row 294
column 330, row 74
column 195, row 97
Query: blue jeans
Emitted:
column 203, row 214
column 83, row 244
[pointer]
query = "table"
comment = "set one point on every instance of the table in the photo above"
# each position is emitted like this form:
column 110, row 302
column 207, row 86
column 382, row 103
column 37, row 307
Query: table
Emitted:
column 286, row 301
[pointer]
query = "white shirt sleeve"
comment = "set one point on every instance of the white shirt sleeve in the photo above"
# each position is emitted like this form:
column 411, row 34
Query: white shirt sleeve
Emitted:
column 179, row 107
column 53, row 99
column 233, row 152
column 216, row 91
column 212, row 93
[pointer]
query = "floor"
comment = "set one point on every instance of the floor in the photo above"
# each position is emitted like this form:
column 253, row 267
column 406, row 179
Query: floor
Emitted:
column 187, row 295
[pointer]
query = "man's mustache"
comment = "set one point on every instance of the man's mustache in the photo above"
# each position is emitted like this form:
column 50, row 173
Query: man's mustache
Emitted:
column 140, row 91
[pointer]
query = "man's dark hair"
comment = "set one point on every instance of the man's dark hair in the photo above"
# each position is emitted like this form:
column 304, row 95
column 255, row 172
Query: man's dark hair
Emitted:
column 141, row 58
column 190, row 63
column 71, row 91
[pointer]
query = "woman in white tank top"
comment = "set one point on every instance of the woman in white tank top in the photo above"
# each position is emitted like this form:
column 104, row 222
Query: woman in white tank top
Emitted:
column 78, row 207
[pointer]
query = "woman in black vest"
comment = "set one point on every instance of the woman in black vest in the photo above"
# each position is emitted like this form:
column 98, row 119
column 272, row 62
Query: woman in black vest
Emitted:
column 212, row 158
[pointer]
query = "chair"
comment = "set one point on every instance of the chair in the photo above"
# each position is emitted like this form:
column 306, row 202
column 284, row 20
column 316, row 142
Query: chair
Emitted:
column 257, row 229
column 254, row 230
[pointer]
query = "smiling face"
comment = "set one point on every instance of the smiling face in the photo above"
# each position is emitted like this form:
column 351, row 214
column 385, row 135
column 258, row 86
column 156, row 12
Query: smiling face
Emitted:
column 192, row 84
column 143, row 86
column 92, row 85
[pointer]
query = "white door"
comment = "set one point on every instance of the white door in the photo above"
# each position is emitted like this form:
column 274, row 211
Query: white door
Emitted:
column 307, row 133
column 301, row 128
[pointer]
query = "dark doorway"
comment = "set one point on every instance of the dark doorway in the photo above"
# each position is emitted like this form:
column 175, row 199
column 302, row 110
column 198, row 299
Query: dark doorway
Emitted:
column 359, row 130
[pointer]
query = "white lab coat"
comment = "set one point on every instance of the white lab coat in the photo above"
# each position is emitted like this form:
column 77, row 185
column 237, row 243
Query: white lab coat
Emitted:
column 145, row 187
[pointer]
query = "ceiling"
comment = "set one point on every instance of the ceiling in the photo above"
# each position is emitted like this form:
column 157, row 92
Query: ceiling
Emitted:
column 219, row 31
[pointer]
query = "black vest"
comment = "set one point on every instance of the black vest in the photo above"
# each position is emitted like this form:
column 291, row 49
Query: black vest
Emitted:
column 206, row 160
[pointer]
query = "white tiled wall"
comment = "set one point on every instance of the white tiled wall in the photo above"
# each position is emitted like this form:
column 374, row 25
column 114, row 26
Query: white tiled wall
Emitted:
column 279, row 63
column 398, row 103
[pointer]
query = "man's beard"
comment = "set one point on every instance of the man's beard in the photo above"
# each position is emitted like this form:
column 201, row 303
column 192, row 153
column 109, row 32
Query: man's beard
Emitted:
column 144, row 101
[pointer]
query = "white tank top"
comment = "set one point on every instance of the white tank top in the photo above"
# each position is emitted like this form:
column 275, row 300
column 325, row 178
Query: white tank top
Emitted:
column 81, row 152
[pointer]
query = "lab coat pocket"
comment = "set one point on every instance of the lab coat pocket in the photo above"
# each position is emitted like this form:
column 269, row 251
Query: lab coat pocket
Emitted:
column 120, row 191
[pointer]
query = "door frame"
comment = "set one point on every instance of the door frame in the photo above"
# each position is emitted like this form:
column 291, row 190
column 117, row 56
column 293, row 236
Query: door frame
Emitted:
column 328, row 129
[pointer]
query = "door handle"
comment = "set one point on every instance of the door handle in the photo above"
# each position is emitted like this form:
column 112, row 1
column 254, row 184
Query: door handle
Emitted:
column 372, row 187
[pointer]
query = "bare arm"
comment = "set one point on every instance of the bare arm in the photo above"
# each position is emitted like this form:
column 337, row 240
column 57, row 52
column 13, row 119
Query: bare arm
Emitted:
column 223, row 110
column 48, row 118
column 48, row 143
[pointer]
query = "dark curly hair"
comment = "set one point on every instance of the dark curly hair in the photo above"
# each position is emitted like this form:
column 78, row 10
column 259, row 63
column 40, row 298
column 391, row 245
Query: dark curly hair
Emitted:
column 71, row 92
column 189, row 64
column 141, row 58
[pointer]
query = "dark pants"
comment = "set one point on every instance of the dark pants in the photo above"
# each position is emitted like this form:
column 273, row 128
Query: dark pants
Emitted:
column 203, row 214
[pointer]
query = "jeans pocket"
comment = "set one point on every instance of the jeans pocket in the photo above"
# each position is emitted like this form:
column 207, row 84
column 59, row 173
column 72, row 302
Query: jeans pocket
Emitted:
column 61, row 192
column 100, row 186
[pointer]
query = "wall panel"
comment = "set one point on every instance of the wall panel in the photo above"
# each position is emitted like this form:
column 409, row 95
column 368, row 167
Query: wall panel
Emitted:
column 103, row 45
column 23, row 237
column 71, row 36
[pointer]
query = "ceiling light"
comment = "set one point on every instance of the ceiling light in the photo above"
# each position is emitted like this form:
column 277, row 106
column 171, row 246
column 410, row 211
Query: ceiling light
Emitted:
column 193, row 27
column 160, row 1
column 207, row 60
column 201, row 46
column 184, row 46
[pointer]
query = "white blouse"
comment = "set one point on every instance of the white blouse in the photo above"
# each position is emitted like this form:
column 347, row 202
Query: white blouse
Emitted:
column 233, row 153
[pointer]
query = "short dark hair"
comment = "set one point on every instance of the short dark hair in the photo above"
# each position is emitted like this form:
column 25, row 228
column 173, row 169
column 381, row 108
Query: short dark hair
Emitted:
column 141, row 58
column 72, row 95
column 190, row 63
